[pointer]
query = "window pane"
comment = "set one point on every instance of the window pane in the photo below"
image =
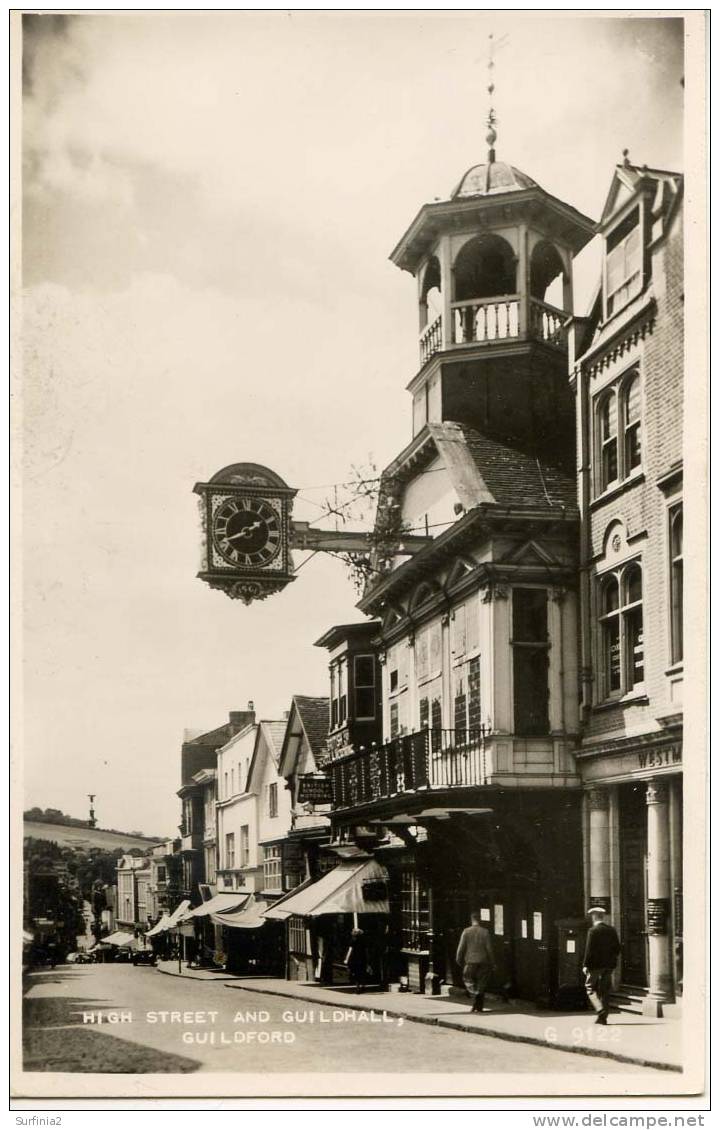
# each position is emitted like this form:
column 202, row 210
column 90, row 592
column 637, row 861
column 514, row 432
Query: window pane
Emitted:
column 633, row 584
column 608, row 417
column 436, row 714
column 676, row 534
column 632, row 254
column 611, row 597
column 364, row 671
column 615, row 265
column 677, row 611
column 424, row 713
column 530, row 615
column 609, row 462
column 634, row 644
column 611, row 649
column 530, row 674
column 633, row 455
column 474, row 700
column 365, row 702
column 632, row 401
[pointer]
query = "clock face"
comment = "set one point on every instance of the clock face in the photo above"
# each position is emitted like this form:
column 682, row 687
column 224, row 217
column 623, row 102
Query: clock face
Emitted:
column 247, row 532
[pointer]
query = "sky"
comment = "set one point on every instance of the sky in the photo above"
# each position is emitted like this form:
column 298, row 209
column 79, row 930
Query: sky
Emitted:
column 209, row 201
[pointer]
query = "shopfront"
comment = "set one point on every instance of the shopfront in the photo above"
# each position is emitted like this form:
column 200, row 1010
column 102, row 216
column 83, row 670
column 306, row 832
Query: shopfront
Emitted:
column 319, row 919
column 633, row 852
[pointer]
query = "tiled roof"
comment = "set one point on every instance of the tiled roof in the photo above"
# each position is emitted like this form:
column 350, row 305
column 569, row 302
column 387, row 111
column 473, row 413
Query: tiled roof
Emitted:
column 276, row 732
column 484, row 471
column 314, row 715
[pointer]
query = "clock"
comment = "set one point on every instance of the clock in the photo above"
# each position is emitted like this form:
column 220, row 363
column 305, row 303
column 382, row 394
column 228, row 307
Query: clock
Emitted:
column 247, row 531
column 246, row 512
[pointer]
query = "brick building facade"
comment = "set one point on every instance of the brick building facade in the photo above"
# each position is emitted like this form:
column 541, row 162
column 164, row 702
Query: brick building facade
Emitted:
column 627, row 374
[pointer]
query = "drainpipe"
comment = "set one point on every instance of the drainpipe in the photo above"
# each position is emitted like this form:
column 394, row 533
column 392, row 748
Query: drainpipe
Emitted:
column 584, row 469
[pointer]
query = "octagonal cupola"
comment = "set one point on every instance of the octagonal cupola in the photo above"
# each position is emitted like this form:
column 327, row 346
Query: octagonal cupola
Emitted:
column 493, row 265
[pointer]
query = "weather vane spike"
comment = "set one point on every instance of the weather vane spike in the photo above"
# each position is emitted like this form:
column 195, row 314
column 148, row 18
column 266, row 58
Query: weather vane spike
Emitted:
column 493, row 46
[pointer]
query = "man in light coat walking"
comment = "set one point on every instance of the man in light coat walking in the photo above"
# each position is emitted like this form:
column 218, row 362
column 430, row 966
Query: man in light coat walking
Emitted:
column 475, row 958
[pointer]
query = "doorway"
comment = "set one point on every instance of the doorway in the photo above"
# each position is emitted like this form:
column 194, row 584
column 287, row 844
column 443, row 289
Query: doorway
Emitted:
column 633, row 883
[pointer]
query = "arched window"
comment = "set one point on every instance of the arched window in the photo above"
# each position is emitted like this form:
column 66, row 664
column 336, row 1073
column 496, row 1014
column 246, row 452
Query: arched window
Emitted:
column 619, row 432
column 676, row 583
column 621, row 630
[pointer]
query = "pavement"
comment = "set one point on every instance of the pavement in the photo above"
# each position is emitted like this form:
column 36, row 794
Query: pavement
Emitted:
column 125, row 1020
column 627, row 1038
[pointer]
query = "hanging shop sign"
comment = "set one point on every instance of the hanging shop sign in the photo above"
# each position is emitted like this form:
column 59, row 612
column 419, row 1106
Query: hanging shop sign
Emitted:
column 314, row 789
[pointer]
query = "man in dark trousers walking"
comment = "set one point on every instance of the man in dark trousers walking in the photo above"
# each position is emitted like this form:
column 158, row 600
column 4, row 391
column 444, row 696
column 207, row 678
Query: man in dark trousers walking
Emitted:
column 475, row 958
column 601, row 953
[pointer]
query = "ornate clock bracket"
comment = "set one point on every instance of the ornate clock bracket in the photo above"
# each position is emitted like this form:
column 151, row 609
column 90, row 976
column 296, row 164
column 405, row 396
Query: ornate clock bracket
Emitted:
column 248, row 533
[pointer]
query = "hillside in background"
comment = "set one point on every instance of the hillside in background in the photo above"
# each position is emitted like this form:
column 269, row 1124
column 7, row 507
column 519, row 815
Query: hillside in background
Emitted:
column 83, row 837
column 58, row 819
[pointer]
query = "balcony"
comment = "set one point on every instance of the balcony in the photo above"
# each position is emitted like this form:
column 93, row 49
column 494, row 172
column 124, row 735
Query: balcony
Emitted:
column 489, row 321
column 431, row 340
column 427, row 759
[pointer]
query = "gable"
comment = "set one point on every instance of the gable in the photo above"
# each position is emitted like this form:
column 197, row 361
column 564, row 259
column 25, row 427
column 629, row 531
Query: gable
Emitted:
column 622, row 188
column 530, row 553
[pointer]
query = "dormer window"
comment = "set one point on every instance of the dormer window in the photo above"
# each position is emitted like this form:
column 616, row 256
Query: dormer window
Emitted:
column 623, row 263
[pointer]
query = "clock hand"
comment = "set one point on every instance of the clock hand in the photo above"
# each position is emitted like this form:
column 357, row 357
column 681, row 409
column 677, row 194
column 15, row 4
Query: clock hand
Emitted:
column 244, row 533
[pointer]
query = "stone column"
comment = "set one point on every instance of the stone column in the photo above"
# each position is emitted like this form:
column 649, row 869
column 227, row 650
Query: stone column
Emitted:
column 599, row 812
column 658, row 899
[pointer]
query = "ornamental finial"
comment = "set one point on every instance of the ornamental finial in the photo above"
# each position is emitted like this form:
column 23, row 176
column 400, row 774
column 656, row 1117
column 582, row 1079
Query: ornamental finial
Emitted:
column 491, row 137
column 626, row 158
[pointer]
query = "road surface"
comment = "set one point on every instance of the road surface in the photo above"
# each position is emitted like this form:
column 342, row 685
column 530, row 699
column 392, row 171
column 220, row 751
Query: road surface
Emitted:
column 121, row 1019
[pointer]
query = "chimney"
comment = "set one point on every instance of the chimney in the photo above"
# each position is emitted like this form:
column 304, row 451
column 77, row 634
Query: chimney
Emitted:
column 242, row 718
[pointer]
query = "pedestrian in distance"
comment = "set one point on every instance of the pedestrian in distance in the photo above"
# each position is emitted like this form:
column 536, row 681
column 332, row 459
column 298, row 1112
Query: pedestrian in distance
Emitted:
column 357, row 958
column 601, row 953
column 475, row 958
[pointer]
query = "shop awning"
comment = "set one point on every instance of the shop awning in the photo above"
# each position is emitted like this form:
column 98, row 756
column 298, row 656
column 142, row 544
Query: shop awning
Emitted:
column 119, row 938
column 277, row 908
column 178, row 914
column 159, row 927
column 222, row 903
column 351, row 888
column 249, row 917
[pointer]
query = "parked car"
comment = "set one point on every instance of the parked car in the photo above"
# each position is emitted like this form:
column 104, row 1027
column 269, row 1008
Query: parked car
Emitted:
column 143, row 957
